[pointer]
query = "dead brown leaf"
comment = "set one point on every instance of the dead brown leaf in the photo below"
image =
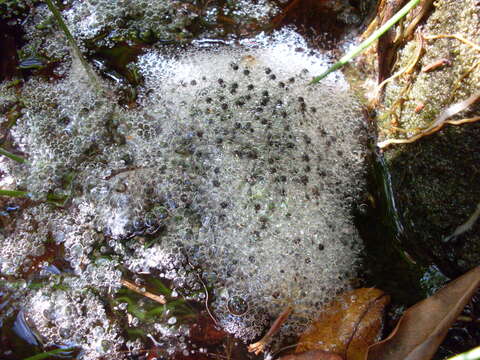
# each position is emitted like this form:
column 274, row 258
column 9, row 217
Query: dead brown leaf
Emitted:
column 348, row 326
column 423, row 326
column 205, row 331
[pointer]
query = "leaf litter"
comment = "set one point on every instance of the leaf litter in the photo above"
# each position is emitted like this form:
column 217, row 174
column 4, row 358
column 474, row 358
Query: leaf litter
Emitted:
column 423, row 326
column 349, row 327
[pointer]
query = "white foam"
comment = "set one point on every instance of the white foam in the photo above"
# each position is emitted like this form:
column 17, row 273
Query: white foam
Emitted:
column 251, row 171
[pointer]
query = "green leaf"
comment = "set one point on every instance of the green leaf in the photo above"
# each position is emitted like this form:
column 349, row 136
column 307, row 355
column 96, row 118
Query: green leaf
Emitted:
column 160, row 287
column 47, row 354
column 132, row 307
column 156, row 311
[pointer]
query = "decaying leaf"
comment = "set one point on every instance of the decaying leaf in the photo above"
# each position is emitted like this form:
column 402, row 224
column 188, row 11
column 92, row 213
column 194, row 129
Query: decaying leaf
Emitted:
column 204, row 331
column 348, row 326
column 313, row 355
column 423, row 326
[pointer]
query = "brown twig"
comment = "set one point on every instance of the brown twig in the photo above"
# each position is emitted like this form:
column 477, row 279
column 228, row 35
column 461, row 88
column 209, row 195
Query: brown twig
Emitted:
column 423, row 9
column 454, row 36
column 386, row 46
column 259, row 346
column 459, row 82
column 439, row 122
column 206, row 293
column 158, row 298
column 207, row 299
column 376, row 21
column 407, row 69
column 437, row 64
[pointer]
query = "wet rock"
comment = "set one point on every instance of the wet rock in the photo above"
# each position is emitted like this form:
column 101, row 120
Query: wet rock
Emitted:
column 435, row 179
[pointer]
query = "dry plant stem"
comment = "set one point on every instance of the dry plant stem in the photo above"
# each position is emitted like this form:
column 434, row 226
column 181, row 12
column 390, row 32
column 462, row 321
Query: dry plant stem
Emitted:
column 371, row 28
column 259, row 346
column 441, row 120
column 453, row 110
column 424, row 7
column 414, row 138
column 158, row 298
column 407, row 69
column 376, row 21
column 459, row 83
column 463, row 121
column 399, row 102
column 466, row 226
column 207, row 299
column 454, row 36
column 473, row 354
column 475, row 46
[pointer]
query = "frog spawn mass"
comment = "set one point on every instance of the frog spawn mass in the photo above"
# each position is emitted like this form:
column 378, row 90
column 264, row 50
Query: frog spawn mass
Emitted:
column 231, row 164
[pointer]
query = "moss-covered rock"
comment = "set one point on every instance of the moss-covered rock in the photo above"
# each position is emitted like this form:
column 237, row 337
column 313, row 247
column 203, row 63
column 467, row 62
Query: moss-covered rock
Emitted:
column 435, row 179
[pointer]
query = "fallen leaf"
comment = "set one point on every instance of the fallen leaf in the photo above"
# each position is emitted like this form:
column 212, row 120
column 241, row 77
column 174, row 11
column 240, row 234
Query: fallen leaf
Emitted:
column 423, row 326
column 204, row 331
column 313, row 355
column 347, row 326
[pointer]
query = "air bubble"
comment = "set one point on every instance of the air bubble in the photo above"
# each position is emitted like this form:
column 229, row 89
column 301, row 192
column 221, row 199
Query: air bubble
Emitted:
column 237, row 306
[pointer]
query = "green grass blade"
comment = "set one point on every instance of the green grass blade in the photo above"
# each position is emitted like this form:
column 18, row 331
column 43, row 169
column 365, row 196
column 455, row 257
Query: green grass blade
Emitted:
column 48, row 354
column 369, row 41
column 12, row 156
column 73, row 44
column 156, row 311
column 160, row 287
column 15, row 193
column 58, row 200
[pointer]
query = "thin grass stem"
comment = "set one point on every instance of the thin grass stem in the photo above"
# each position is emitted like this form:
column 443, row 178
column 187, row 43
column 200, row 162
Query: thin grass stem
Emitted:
column 50, row 354
column 12, row 156
column 73, row 44
column 15, row 193
column 368, row 41
column 56, row 199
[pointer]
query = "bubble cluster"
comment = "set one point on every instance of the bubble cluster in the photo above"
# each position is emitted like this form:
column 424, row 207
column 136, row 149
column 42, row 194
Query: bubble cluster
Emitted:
column 271, row 166
column 231, row 164
column 73, row 317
